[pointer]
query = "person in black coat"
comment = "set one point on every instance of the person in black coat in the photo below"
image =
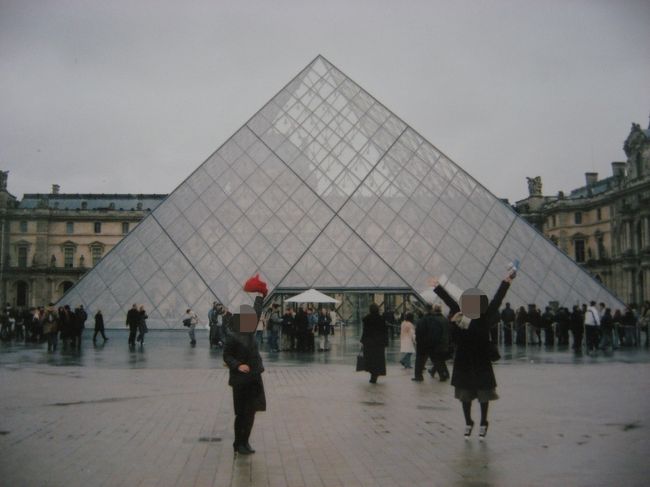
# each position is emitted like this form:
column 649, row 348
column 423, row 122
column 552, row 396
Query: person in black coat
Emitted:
column 99, row 326
column 473, row 376
column 374, row 339
column 132, row 321
column 243, row 359
column 431, row 341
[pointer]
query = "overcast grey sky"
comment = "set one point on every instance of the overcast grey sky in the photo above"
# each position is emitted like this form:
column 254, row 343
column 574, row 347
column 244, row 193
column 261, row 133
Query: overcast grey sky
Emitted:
column 131, row 96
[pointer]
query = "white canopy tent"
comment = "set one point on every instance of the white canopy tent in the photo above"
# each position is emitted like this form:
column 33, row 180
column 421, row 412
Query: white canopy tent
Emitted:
column 312, row 296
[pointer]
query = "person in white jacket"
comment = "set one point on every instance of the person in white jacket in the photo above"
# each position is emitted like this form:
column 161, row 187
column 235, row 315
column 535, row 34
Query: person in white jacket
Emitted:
column 407, row 340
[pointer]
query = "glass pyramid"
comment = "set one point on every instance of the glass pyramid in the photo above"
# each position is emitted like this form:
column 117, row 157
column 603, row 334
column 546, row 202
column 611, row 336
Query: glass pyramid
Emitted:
column 324, row 187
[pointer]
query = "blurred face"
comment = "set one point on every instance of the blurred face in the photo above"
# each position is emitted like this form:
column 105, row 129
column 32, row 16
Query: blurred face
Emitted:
column 247, row 319
column 473, row 303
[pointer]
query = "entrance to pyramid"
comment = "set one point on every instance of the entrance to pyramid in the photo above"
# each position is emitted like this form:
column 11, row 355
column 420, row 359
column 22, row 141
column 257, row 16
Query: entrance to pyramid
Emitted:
column 326, row 188
column 352, row 305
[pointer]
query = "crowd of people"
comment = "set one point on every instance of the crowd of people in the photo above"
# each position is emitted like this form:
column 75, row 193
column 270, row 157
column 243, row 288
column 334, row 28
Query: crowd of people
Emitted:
column 45, row 324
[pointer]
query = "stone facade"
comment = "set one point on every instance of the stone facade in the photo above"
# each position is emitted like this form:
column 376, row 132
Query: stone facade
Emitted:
column 605, row 224
column 49, row 241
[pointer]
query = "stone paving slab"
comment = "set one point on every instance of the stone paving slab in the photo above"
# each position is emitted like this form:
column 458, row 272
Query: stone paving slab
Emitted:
column 326, row 426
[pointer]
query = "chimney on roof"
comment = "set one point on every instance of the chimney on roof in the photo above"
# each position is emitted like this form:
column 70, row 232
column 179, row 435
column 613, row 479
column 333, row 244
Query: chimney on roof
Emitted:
column 618, row 169
column 591, row 178
column 55, row 188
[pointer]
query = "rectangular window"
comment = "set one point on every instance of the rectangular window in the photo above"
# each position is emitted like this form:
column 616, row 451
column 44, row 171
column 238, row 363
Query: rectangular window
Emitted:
column 577, row 218
column 98, row 227
column 96, row 254
column 579, row 246
column 125, row 228
column 68, row 257
column 554, row 221
column 69, row 228
column 23, row 226
column 22, row 256
column 599, row 214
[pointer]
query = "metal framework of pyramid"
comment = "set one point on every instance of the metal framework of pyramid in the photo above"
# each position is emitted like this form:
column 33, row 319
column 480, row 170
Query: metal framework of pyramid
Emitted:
column 324, row 187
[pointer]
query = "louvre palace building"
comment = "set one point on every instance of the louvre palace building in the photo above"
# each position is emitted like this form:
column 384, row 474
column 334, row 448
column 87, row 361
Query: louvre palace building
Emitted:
column 323, row 187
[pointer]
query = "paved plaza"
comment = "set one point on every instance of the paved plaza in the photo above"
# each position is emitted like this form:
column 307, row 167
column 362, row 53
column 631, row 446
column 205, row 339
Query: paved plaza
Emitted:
column 162, row 416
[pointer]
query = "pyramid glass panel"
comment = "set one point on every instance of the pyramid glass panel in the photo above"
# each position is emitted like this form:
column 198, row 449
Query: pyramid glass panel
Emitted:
column 325, row 187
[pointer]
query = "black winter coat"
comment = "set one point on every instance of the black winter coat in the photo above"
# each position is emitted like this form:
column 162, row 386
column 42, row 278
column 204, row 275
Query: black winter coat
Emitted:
column 241, row 348
column 374, row 339
column 432, row 334
column 472, row 364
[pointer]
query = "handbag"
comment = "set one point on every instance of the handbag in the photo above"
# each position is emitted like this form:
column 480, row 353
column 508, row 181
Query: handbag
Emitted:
column 493, row 352
column 361, row 361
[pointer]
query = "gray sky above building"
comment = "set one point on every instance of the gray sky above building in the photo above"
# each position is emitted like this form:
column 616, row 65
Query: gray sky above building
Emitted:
column 114, row 97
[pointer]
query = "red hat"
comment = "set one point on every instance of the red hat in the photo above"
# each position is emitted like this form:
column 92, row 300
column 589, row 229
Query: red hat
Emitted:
column 256, row 285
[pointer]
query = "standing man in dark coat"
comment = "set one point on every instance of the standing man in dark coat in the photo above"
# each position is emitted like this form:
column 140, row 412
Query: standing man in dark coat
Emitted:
column 132, row 321
column 431, row 342
column 242, row 356
column 374, row 339
column 473, row 376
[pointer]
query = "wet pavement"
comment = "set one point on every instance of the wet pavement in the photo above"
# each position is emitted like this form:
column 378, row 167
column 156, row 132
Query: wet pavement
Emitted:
column 161, row 415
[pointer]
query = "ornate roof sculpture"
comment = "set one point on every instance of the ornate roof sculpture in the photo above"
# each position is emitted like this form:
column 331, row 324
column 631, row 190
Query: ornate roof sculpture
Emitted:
column 324, row 187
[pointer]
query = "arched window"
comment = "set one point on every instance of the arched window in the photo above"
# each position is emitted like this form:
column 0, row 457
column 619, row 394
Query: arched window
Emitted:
column 67, row 285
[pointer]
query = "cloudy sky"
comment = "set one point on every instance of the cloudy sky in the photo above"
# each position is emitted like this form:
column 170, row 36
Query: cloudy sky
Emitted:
column 131, row 96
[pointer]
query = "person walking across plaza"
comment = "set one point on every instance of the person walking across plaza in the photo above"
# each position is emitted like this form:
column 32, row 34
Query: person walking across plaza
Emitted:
column 274, row 325
column 473, row 376
column 99, row 326
column 191, row 320
column 132, row 321
column 407, row 340
column 432, row 341
column 374, row 339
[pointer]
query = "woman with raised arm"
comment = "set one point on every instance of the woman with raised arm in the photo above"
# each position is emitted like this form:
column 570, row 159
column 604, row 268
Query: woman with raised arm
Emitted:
column 473, row 376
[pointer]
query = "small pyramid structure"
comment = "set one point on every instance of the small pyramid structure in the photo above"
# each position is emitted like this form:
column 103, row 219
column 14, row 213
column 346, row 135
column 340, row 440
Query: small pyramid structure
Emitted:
column 324, row 187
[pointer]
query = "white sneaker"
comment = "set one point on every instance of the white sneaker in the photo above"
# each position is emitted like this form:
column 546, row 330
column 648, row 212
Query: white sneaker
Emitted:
column 482, row 431
column 468, row 430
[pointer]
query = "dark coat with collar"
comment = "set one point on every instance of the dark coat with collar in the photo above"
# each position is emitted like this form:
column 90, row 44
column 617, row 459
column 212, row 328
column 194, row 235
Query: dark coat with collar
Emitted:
column 248, row 388
column 472, row 364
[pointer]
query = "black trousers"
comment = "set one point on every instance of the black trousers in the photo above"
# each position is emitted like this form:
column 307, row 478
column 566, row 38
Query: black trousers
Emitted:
column 439, row 365
column 133, row 329
column 244, row 401
column 507, row 333
column 99, row 331
column 593, row 337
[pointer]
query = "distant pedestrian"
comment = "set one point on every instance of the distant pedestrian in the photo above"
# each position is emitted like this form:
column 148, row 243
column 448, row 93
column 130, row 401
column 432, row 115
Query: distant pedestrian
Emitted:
column 192, row 320
column 577, row 328
column 132, row 321
column 99, row 326
column 606, row 330
column 142, row 324
column 592, row 327
column 407, row 340
column 215, row 322
column 374, row 339
column 521, row 322
column 288, row 340
column 508, row 319
column 80, row 317
column 51, row 327
column 473, row 376
column 324, row 326
column 274, row 326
